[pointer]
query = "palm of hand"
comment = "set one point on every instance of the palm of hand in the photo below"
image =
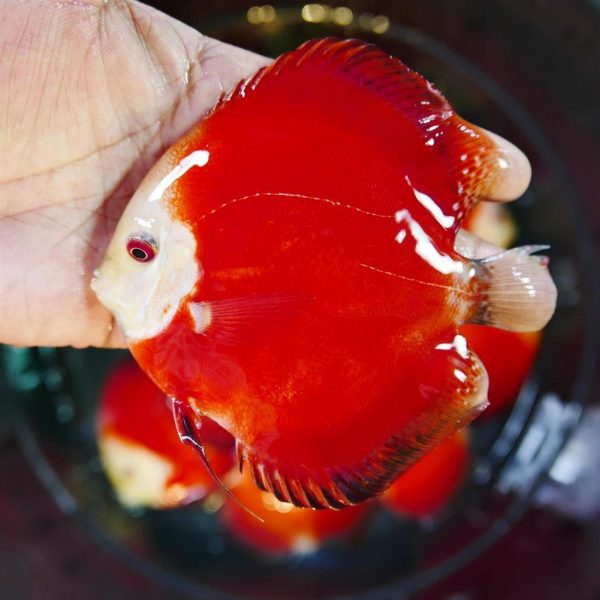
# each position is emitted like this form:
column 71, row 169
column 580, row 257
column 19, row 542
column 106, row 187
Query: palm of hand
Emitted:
column 92, row 93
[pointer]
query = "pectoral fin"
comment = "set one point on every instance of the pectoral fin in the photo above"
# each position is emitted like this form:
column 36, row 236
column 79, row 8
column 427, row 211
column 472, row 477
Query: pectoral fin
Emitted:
column 247, row 320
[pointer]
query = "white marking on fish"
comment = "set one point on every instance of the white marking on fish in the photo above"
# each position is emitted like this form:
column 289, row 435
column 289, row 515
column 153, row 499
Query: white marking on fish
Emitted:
column 201, row 314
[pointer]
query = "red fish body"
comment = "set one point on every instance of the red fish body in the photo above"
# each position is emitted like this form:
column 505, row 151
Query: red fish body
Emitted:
column 322, row 329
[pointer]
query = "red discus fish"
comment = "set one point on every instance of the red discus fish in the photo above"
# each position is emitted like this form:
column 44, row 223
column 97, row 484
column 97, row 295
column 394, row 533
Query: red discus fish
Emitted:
column 288, row 269
column 283, row 528
column 429, row 485
column 140, row 451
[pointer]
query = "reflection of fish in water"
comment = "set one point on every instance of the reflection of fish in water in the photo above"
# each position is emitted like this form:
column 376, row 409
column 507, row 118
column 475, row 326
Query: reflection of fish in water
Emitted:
column 290, row 265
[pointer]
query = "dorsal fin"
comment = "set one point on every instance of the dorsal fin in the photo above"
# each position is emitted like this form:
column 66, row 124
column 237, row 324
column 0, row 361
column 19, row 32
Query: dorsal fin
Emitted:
column 471, row 156
column 363, row 63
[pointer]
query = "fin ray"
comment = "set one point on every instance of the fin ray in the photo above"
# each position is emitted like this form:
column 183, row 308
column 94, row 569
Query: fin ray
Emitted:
column 184, row 418
column 247, row 320
column 518, row 293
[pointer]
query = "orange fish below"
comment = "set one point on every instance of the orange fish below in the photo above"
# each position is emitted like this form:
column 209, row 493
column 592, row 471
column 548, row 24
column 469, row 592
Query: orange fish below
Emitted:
column 140, row 450
column 284, row 529
column 288, row 269
column 429, row 485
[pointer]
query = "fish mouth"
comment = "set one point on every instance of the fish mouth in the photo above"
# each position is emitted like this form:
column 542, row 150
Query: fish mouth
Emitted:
column 138, row 318
column 100, row 285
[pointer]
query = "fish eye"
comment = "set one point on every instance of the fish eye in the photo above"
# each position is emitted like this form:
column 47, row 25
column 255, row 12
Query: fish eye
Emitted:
column 142, row 247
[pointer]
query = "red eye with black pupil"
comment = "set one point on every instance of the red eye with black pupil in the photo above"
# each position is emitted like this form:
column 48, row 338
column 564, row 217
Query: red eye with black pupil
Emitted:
column 141, row 249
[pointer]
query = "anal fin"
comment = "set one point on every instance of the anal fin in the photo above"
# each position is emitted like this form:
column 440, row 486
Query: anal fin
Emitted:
column 457, row 391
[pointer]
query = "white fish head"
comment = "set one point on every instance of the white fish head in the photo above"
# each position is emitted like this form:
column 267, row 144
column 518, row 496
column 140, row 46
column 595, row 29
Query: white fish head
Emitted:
column 144, row 296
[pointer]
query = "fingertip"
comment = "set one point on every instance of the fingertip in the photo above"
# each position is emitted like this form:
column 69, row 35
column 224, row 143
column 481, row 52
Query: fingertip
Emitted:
column 513, row 173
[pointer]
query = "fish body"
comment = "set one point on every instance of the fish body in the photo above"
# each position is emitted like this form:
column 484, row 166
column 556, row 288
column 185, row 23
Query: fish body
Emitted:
column 304, row 290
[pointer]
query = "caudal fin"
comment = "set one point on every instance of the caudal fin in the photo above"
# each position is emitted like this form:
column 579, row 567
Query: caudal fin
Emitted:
column 518, row 293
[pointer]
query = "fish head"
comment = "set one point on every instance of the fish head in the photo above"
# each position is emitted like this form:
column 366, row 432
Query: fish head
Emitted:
column 150, row 265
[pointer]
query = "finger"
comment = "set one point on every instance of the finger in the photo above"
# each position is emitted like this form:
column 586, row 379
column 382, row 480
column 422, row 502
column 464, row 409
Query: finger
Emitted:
column 492, row 222
column 471, row 246
column 513, row 173
column 201, row 68
column 114, row 336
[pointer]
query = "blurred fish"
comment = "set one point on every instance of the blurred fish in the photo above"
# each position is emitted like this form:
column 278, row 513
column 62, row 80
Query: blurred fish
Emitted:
column 140, row 450
column 283, row 528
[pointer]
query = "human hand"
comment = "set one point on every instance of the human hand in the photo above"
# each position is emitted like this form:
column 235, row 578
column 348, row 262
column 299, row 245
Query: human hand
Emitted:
column 92, row 93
